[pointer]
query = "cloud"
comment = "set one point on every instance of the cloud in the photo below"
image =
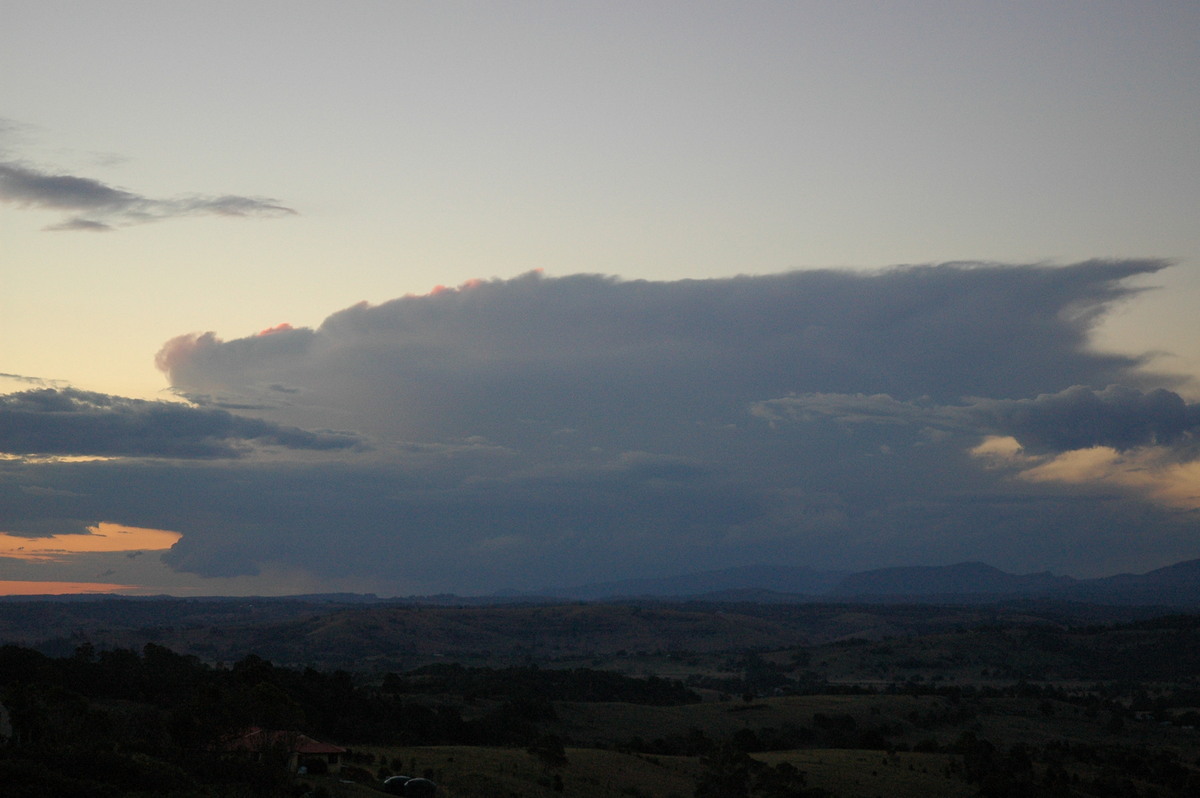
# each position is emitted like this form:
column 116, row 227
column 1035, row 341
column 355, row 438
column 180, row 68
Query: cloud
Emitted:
column 855, row 409
column 1118, row 417
column 1145, row 471
column 1080, row 417
column 26, row 380
column 1141, row 443
column 80, row 224
column 599, row 355
column 541, row 430
column 72, row 422
column 422, row 523
column 95, row 206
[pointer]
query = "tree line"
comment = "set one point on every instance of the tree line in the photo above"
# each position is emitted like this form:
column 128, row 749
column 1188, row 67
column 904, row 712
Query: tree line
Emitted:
column 124, row 722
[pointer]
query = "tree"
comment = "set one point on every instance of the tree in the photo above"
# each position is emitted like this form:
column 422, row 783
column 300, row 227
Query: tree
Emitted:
column 784, row 780
column 726, row 773
column 548, row 748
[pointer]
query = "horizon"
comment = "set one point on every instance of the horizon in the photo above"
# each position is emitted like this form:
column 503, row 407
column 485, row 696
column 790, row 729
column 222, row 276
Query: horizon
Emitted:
column 30, row 590
column 416, row 299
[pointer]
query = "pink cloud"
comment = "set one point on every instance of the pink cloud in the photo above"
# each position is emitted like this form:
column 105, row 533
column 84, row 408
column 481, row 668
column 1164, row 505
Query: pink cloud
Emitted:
column 180, row 348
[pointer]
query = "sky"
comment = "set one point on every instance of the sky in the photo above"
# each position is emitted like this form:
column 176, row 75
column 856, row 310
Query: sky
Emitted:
column 411, row 298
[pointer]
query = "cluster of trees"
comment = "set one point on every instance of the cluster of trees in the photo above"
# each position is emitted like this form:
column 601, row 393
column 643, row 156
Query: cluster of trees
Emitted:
column 753, row 675
column 826, row 731
column 577, row 684
column 1052, row 771
column 150, row 723
column 122, row 722
column 729, row 772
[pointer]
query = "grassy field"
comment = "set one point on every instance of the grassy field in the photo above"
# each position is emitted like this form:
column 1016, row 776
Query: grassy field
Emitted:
column 482, row 772
column 477, row 772
column 614, row 723
column 1031, row 708
column 608, row 743
column 870, row 774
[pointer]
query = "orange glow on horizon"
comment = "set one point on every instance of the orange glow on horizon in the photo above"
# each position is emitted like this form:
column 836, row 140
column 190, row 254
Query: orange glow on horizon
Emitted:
column 104, row 537
column 16, row 588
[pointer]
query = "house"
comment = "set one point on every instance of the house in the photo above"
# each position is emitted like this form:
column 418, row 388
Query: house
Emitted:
column 299, row 748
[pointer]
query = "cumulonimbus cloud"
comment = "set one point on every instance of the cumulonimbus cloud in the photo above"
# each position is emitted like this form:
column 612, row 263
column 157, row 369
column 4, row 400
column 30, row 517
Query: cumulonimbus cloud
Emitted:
column 542, row 430
column 96, row 206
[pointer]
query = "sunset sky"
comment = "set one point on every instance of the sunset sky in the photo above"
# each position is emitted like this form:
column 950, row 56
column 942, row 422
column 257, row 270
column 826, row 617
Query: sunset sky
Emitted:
column 466, row 296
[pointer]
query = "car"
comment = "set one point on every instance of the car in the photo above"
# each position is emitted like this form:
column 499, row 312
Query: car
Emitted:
column 394, row 785
column 409, row 787
column 419, row 788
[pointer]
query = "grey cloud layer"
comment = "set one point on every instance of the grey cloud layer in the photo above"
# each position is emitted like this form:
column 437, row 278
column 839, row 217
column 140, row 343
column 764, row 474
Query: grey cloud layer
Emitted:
column 545, row 430
column 73, row 422
column 97, row 206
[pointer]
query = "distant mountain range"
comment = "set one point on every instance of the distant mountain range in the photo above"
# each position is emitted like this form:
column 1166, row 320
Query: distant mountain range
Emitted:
column 769, row 578
column 972, row 582
column 1175, row 586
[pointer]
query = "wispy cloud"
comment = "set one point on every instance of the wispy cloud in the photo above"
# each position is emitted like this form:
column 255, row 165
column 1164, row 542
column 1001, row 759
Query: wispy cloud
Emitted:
column 22, row 378
column 72, row 422
column 92, row 205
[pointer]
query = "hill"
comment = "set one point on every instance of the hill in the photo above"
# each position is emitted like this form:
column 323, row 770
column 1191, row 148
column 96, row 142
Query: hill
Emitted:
column 1176, row 585
column 383, row 637
column 963, row 579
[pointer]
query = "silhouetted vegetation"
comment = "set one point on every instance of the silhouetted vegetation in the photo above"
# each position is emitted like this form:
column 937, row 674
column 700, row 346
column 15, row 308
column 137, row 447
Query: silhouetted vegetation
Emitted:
column 120, row 722
column 530, row 683
column 994, row 711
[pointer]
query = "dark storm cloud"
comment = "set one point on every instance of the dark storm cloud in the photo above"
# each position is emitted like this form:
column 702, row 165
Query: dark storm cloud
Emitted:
column 72, row 422
column 96, row 206
column 541, row 430
column 472, row 521
column 441, row 522
column 1081, row 417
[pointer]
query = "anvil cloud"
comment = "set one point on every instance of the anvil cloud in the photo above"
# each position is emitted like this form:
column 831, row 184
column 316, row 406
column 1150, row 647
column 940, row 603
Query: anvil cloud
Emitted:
column 541, row 430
